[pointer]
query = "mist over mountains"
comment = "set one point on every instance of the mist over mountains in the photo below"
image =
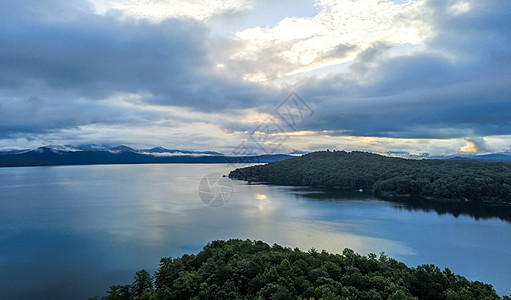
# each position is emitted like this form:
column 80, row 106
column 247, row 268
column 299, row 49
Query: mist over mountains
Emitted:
column 101, row 154
column 89, row 154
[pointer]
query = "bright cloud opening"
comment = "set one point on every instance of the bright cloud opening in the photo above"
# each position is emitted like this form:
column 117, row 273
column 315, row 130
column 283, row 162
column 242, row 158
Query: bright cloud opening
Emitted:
column 199, row 10
column 470, row 147
column 338, row 32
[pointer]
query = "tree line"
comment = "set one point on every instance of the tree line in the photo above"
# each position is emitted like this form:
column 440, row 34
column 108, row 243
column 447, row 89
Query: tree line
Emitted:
column 429, row 178
column 245, row 269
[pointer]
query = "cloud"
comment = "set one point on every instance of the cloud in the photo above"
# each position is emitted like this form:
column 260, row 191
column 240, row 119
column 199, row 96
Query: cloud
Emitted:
column 199, row 10
column 338, row 32
column 399, row 75
column 474, row 145
column 64, row 66
column 459, row 7
column 457, row 86
column 95, row 56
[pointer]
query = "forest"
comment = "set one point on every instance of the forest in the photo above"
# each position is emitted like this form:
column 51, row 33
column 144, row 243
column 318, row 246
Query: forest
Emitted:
column 245, row 269
column 447, row 179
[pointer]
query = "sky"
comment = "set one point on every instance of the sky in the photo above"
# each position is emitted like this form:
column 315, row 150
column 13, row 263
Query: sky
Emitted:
column 421, row 77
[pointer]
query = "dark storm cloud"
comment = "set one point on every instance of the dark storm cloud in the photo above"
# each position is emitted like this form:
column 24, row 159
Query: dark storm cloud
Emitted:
column 454, row 111
column 35, row 115
column 459, row 86
column 59, row 61
column 65, row 54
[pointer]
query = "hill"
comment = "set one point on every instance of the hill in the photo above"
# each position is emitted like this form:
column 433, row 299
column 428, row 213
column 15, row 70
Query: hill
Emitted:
column 238, row 269
column 55, row 155
column 429, row 178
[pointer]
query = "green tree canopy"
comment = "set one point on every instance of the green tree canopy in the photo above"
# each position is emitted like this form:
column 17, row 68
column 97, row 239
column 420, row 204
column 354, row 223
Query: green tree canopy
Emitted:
column 245, row 269
column 428, row 178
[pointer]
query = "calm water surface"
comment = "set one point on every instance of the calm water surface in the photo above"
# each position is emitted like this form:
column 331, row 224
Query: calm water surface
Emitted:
column 71, row 232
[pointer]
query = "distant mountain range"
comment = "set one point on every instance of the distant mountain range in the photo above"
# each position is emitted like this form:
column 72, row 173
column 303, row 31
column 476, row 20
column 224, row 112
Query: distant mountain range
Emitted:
column 89, row 154
column 100, row 154
column 503, row 157
column 500, row 157
column 497, row 157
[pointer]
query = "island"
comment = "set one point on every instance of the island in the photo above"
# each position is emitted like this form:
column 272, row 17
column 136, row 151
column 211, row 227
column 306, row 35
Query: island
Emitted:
column 438, row 179
column 245, row 269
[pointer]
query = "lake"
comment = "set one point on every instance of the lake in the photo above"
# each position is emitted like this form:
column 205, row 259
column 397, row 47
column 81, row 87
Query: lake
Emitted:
column 72, row 231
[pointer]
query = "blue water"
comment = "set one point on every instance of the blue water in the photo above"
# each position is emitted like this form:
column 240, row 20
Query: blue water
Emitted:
column 71, row 232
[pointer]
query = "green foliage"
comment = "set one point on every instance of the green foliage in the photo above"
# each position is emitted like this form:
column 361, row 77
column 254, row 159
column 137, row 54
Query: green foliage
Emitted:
column 141, row 288
column 143, row 284
column 441, row 179
column 238, row 269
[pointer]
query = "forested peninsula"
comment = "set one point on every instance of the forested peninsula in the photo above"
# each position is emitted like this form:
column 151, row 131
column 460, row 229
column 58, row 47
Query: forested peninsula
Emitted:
column 440, row 179
column 245, row 269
